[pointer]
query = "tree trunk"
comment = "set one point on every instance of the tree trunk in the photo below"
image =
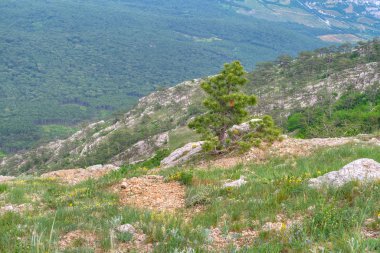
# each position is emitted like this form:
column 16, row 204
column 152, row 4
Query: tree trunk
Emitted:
column 222, row 136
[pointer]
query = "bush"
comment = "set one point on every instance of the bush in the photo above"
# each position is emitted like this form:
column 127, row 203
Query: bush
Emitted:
column 183, row 177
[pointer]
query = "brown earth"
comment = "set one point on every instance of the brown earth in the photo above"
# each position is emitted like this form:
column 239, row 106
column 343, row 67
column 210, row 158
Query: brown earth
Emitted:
column 151, row 192
column 79, row 238
column 137, row 244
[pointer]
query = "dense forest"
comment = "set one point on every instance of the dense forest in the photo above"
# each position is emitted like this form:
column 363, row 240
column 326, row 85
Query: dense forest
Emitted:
column 352, row 114
column 65, row 62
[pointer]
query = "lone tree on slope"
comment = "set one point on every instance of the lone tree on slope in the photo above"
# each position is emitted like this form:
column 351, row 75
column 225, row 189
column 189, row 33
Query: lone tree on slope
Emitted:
column 226, row 105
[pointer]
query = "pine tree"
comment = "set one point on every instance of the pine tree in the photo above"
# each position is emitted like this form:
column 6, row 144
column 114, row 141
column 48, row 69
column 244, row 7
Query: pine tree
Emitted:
column 226, row 104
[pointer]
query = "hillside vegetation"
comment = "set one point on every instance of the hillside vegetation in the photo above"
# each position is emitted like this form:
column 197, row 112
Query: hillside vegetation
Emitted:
column 190, row 211
column 63, row 63
column 288, row 85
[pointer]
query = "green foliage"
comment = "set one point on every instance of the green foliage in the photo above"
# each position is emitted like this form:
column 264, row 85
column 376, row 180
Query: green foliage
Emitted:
column 352, row 114
column 289, row 73
column 3, row 188
column 263, row 130
column 225, row 102
column 185, row 177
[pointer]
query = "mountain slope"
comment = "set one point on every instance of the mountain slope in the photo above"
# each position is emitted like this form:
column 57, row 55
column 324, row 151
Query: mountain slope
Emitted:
column 159, row 120
column 66, row 62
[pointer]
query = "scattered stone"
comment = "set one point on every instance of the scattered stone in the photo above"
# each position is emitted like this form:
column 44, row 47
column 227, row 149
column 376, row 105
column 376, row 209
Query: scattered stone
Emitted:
column 236, row 183
column 6, row 178
column 363, row 170
column 126, row 228
column 151, row 192
column 182, row 155
column 124, row 185
column 74, row 176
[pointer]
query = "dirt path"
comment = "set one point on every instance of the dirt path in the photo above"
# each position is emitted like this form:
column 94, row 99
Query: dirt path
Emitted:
column 288, row 147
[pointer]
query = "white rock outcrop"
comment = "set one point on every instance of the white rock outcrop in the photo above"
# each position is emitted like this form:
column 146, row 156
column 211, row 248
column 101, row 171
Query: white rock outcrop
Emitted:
column 363, row 170
column 244, row 127
column 237, row 183
column 183, row 154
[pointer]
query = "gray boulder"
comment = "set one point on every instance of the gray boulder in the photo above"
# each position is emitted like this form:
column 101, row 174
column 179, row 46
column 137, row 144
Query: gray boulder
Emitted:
column 363, row 170
column 182, row 155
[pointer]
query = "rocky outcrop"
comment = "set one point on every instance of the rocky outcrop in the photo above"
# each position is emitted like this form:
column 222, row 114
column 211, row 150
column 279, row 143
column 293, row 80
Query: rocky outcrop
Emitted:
column 363, row 170
column 141, row 150
column 182, row 155
column 164, row 111
column 244, row 127
column 237, row 183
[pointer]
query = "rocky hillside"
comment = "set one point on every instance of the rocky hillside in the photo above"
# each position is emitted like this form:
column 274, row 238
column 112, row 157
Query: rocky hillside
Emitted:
column 159, row 120
column 296, row 196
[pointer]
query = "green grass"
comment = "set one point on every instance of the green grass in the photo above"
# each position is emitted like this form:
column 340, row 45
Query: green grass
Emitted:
column 331, row 218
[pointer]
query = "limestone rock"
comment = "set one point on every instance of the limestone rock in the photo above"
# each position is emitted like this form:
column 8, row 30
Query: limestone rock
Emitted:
column 363, row 170
column 236, row 183
column 183, row 154
column 244, row 127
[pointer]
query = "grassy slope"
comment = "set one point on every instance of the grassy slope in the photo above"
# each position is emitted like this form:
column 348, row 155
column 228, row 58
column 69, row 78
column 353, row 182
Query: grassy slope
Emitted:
column 332, row 219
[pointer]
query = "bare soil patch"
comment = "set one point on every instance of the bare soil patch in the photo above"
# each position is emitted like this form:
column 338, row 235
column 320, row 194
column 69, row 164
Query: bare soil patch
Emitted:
column 220, row 241
column 78, row 239
column 151, row 192
column 137, row 244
